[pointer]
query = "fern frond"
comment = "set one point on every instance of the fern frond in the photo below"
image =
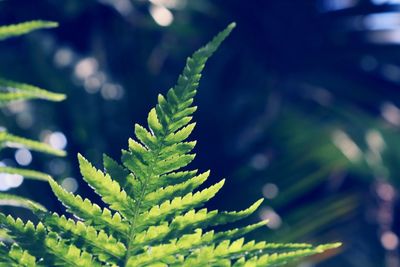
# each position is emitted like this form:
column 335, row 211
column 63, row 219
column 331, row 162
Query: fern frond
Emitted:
column 21, row 202
column 91, row 213
column 187, row 223
column 189, row 242
column 109, row 190
column 203, row 218
column 98, row 243
column 27, row 235
column 46, row 244
column 13, row 91
column 13, row 141
column 28, row 174
column 63, row 254
column 164, row 193
column 120, row 174
column 24, row 28
column 280, row 259
column 171, row 178
column 16, row 257
column 157, row 217
column 175, row 207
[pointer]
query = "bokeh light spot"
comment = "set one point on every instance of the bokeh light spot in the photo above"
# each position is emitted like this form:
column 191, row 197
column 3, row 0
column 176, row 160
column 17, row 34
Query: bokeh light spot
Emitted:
column 259, row 161
column 274, row 220
column 63, row 57
column 23, row 157
column 270, row 190
column 58, row 140
column 161, row 15
column 86, row 67
column 389, row 240
column 8, row 181
column 70, row 184
column 112, row 91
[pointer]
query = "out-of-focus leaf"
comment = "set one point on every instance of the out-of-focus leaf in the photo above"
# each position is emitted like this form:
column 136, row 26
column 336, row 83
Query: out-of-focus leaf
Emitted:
column 14, row 91
column 28, row 174
column 9, row 140
column 20, row 202
column 24, row 28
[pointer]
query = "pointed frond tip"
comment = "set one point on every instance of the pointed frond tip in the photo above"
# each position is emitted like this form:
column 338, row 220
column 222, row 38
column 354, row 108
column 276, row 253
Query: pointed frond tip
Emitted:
column 13, row 91
column 14, row 30
column 27, row 174
column 153, row 212
column 13, row 141
column 330, row 246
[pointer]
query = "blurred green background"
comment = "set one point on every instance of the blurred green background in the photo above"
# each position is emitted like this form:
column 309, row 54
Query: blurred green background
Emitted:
column 300, row 105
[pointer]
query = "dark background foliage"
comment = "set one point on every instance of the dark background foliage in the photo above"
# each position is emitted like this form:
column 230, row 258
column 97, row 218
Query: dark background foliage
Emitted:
column 299, row 105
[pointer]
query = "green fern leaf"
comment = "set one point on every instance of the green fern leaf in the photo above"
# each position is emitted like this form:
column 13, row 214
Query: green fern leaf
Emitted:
column 178, row 190
column 120, row 174
column 106, row 248
column 16, row 257
column 157, row 219
column 188, row 222
column 91, row 213
column 186, row 242
column 62, row 254
column 175, row 207
column 108, row 189
column 280, row 259
column 9, row 140
column 13, row 91
column 21, row 202
column 45, row 244
column 171, row 178
column 27, row 235
column 24, row 28
column 29, row 174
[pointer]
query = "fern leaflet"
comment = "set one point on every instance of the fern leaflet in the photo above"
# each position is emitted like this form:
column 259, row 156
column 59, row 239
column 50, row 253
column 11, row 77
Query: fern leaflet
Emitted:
column 13, row 91
column 14, row 30
column 154, row 215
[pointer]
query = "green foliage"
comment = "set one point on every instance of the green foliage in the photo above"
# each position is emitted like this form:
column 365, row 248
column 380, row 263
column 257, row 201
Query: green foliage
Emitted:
column 35, row 175
column 154, row 217
column 16, row 201
column 14, row 91
column 9, row 140
column 14, row 30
